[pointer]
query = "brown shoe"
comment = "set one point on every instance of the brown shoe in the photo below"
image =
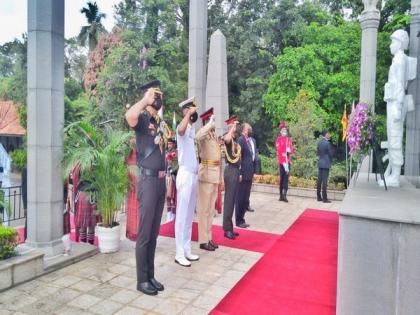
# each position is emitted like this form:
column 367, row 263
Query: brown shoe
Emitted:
column 207, row 246
column 213, row 244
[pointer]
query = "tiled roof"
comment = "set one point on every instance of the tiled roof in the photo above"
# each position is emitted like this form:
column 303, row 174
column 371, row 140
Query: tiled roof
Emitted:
column 9, row 120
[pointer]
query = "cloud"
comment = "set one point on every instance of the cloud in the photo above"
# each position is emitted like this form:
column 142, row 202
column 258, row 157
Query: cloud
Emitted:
column 13, row 17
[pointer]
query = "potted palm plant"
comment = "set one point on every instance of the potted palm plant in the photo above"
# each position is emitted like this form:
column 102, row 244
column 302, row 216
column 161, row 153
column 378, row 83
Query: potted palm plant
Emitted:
column 100, row 153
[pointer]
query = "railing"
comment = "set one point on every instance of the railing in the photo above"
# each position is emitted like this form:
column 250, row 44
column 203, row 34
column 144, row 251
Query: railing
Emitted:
column 11, row 206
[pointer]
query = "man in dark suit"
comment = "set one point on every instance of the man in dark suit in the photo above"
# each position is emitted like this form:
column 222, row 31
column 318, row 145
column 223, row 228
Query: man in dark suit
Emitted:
column 246, row 174
column 325, row 155
column 257, row 167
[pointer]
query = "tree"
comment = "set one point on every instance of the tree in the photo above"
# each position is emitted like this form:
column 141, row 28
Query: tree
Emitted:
column 256, row 32
column 90, row 33
column 305, row 123
column 119, row 81
column 75, row 60
column 327, row 66
column 13, row 68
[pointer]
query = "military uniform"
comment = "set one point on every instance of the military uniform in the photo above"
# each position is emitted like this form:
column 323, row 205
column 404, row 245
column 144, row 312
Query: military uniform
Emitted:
column 209, row 177
column 151, row 192
column 231, row 179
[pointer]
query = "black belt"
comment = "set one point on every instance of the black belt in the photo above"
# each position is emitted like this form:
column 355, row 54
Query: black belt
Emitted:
column 233, row 165
column 150, row 172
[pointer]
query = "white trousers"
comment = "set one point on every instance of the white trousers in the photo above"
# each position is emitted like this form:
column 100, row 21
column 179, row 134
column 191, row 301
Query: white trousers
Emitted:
column 186, row 186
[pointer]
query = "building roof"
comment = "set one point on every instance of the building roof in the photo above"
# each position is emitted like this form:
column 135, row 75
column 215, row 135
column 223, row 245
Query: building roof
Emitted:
column 9, row 120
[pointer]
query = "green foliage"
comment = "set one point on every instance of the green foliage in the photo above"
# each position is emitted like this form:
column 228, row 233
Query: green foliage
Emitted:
column 76, row 102
column 305, row 120
column 269, row 164
column 256, row 32
column 8, row 242
column 13, row 70
column 326, row 66
column 18, row 159
column 101, row 155
column 120, row 80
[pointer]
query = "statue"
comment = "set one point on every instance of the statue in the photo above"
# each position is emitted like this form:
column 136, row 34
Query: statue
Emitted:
column 402, row 70
column 370, row 4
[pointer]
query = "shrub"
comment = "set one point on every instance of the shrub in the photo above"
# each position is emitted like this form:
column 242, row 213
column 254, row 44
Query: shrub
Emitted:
column 269, row 165
column 8, row 242
column 18, row 159
column 295, row 182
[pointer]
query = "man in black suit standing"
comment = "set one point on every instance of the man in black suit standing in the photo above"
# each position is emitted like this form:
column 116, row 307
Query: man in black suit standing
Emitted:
column 257, row 167
column 325, row 155
column 246, row 174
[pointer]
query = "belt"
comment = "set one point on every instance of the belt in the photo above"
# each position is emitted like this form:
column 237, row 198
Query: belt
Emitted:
column 233, row 165
column 149, row 172
column 210, row 162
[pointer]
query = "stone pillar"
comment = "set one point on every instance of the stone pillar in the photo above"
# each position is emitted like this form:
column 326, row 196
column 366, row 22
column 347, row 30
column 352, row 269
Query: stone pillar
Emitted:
column 412, row 147
column 217, row 81
column 197, row 56
column 45, row 123
column 369, row 21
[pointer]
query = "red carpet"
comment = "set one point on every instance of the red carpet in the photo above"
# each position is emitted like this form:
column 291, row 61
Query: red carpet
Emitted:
column 296, row 276
column 249, row 240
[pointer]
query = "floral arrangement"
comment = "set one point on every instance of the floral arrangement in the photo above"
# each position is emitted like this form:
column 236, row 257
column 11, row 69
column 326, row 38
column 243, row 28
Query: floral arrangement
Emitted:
column 361, row 130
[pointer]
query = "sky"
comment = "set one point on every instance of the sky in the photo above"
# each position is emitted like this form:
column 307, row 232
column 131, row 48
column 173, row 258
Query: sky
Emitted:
column 13, row 16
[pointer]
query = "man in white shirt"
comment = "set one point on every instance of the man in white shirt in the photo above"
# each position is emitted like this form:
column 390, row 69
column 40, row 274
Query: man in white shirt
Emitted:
column 186, row 184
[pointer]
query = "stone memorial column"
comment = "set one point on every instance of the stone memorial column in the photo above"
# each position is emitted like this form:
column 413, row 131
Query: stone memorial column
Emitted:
column 45, row 123
column 217, row 81
column 412, row 147
column 369, row 21
column 197, row 56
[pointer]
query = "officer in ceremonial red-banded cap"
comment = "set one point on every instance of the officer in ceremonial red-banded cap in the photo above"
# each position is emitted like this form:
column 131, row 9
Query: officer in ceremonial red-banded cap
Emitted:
column 209, row 178
column 231, row 176
column 186, row 183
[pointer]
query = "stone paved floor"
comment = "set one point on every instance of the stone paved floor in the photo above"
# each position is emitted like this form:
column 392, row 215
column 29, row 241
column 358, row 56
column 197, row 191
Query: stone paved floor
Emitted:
column 106, row 284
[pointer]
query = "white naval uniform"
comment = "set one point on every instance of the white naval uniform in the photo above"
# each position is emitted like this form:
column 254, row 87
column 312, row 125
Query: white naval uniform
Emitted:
column 186, row 186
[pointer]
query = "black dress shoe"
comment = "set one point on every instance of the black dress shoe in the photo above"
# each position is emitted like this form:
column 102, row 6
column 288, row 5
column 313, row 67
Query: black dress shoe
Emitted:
column 147, row 288
column 243, row 225
column 235, row 233
column 326, row 201
column 158, row 286
column 285, row 199
column 213, row 244
column 319, row 199
column 250, row 210
column 230, row 235
column 207, row 246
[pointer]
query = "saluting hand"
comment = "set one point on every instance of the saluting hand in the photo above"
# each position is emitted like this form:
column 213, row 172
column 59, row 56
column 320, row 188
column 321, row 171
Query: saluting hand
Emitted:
column 192, row 110
column 149, row 96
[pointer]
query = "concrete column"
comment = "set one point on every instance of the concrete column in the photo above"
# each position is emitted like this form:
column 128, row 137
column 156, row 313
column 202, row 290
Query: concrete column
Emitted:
column 369, row 21
column 412, row 148
column 197, row 57
column 45, row 123
column 217, row 80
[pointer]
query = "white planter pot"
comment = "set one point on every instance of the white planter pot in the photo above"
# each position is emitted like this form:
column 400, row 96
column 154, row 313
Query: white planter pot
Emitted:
column 108, row 238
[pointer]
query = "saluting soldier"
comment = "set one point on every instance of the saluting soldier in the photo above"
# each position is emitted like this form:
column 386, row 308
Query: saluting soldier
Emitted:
column 144, row 119
column 186, row 183
column 231, row 176
column 209, row 177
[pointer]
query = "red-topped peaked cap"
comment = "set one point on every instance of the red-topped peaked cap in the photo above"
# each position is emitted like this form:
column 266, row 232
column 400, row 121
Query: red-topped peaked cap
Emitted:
column 282, row 125
column 206, row 115
column 231, row 120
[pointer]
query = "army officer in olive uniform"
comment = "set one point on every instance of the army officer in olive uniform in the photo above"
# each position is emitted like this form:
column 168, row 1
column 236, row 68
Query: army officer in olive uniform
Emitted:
column 144, row 119
column 209, row 177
